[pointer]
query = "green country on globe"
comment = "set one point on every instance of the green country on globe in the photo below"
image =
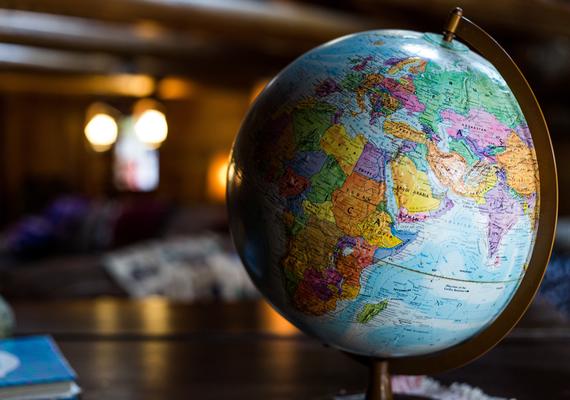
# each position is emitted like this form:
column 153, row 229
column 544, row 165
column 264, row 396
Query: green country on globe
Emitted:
column 383, row 193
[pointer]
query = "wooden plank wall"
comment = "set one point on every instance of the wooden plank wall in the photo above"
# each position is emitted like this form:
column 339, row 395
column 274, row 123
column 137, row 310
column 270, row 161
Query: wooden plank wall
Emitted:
column 43, row 149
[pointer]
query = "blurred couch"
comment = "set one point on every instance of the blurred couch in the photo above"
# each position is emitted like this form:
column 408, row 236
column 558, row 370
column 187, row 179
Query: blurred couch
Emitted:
column 62, row 252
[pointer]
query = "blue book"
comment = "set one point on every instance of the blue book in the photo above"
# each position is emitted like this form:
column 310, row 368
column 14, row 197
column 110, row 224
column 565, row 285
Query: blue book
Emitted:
column 33, row 368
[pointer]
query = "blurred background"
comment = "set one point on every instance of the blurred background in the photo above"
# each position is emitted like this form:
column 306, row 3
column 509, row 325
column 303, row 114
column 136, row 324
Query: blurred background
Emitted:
column 117, row 117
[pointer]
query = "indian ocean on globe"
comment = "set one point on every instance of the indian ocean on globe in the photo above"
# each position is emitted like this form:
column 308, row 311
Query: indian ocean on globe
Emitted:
column 384, row 192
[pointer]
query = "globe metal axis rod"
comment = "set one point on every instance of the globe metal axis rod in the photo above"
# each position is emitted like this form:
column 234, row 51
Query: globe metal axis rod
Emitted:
column 452, row 24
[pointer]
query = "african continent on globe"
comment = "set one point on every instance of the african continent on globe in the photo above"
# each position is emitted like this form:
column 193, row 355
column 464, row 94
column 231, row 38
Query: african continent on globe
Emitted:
column 383, row 193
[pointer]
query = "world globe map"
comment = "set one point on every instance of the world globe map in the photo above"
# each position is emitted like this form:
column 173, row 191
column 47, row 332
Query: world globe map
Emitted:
column 383, row 193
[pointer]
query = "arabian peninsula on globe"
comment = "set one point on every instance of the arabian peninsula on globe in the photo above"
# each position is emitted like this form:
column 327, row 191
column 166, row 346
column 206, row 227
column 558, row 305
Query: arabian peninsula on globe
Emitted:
column 383, row 193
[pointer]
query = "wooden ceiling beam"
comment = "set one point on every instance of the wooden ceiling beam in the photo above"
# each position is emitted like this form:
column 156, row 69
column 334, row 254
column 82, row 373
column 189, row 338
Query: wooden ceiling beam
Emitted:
column 124, row 85
column 15, row 56
column 209, row 68
column 65, row 32
column 243, row 20
column 530, row 17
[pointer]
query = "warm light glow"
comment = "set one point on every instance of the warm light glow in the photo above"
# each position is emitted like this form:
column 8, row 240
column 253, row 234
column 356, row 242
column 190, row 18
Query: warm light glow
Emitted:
column 174, row 88
column 101, row 131
column 217, row 172
column 107, row 315
column 148, row 29
column 151, row 128
column 273, row 322
column 257, row 89
column 125, row 84
column 155, row 316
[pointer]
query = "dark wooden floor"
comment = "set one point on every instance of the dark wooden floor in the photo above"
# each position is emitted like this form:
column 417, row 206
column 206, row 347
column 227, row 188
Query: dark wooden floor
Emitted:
column 158, row 350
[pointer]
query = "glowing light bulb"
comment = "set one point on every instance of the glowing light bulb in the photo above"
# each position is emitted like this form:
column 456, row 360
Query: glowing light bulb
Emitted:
column 151, row 128
column 101, row 132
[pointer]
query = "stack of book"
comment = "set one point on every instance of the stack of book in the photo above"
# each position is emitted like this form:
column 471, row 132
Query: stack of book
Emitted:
column 33, row 368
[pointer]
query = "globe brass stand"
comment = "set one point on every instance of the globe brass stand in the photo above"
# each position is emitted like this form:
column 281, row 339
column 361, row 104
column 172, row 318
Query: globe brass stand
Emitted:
column 379, row 385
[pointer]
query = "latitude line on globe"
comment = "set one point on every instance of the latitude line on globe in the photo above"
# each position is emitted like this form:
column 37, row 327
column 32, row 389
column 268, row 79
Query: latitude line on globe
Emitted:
column 445, row 277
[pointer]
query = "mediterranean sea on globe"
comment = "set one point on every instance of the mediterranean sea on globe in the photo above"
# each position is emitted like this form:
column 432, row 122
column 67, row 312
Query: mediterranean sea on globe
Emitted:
column 383, row 193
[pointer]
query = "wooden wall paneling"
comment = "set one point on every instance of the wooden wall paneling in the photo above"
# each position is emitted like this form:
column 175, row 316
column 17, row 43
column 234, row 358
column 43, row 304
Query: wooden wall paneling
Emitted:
column 200, row 128
column 12, row 168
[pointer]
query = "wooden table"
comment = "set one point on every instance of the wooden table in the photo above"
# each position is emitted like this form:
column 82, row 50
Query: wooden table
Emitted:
column 158, row 350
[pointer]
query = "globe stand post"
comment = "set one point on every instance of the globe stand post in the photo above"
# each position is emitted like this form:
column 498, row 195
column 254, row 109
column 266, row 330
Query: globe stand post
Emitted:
column 379, row 381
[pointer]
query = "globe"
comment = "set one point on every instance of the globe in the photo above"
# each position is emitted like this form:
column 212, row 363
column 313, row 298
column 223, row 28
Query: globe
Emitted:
column 383, row 193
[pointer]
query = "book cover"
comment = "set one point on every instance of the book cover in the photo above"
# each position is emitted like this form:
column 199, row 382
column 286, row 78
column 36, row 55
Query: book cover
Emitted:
column 32, row 360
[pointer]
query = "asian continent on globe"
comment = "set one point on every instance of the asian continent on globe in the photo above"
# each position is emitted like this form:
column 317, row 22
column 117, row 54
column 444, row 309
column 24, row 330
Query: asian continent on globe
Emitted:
column 383, row 193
